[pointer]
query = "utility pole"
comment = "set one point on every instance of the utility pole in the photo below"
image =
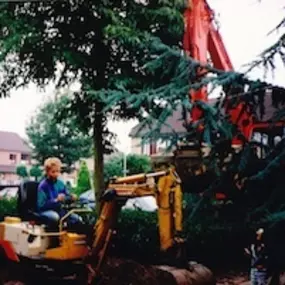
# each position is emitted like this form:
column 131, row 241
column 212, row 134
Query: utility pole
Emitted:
column 125, row 164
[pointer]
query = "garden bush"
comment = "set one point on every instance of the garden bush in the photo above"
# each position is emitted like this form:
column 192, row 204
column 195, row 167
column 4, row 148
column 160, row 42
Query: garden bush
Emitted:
column 137, row 235
column 8, row 207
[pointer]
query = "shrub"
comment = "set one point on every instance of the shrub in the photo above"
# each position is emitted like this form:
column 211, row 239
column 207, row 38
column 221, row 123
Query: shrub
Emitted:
column 36, row 172
column 137, row 235
column 22, row 171
column 8, row 207
column 83, row 182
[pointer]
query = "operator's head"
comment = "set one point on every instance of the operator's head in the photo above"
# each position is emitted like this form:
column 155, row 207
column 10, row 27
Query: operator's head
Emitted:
column 52, row 167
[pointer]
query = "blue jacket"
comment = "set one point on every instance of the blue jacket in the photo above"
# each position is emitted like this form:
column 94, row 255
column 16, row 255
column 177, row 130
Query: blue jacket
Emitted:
column 48, row 191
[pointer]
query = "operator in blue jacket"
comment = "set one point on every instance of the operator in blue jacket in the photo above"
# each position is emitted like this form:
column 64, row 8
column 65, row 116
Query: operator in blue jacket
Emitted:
column 52, row 193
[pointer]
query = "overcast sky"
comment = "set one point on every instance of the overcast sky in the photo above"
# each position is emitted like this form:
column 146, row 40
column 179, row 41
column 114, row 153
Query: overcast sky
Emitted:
column 244, row 25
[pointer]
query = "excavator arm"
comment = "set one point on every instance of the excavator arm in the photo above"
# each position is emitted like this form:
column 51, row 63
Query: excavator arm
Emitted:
column 163, row 185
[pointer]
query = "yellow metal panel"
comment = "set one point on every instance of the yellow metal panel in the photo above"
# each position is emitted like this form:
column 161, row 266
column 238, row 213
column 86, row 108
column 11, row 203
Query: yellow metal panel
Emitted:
column 170, row 210
column 165, row 228
column 72, row 247
column 12, row 220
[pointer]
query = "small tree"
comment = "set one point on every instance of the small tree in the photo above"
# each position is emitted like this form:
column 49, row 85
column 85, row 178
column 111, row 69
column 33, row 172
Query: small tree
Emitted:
column 138, row 164
column 135, row 164
column 83, row 182
column 113, row 167
column 64, row 140
column 22, row 171
column 36, row 172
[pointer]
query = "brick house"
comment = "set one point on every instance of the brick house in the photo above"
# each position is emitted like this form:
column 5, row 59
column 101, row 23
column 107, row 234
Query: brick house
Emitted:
column 13, row 152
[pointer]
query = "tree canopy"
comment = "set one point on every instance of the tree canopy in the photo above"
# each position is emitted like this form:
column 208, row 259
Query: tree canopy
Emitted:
column 64, row 140
column 103, row 45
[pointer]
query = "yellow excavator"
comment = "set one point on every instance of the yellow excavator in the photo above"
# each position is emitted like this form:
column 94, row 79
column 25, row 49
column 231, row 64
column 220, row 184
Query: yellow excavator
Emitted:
column 32, row 252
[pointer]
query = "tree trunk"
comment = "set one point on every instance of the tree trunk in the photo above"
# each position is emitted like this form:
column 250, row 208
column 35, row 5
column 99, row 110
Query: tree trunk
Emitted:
column 98, row 126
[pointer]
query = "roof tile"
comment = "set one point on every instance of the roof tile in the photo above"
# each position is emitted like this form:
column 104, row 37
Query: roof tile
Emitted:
column 13, row 142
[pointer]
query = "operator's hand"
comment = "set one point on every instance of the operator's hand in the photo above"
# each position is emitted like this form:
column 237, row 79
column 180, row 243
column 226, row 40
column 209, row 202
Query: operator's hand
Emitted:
column 60, row 197
column 74, row 197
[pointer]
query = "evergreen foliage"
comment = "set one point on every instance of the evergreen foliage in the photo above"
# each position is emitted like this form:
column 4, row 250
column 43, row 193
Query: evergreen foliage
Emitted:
column 83, row 182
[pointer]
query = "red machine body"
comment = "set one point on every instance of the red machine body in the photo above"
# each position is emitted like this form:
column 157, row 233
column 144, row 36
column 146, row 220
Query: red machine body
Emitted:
column 201, row 40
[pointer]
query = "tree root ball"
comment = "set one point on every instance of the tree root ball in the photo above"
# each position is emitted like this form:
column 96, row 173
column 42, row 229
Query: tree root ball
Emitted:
column 126, row 272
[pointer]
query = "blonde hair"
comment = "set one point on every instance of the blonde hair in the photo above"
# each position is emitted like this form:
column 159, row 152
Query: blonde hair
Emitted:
column 51, row 162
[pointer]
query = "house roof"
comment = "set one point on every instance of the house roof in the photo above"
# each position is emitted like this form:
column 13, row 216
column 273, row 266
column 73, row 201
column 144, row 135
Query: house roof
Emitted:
column 13, row 142
column 176, row 123
column 7, row 168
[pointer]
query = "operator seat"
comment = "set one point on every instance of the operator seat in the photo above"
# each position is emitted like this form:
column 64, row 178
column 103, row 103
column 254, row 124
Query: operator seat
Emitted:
column 27, row 201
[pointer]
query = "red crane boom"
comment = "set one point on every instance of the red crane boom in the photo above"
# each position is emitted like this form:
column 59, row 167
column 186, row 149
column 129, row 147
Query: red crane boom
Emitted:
column 201, row 40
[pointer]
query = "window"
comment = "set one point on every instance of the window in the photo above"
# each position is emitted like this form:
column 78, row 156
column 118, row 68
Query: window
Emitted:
column 162, row 145
column 25, row 156
column 146, row 148
column 12, row 156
